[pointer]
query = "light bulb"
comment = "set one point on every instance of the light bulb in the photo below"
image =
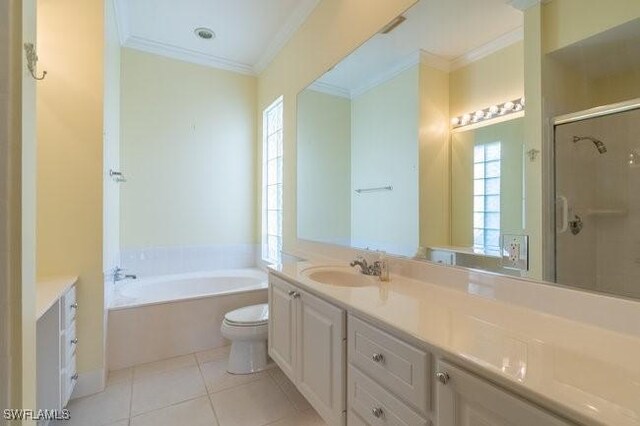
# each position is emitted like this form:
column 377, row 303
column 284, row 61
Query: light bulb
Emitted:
column 478, row 115
column 494, row 109
column 465, row 119
column 509, row 106
column 455, row 121
column 522, row 101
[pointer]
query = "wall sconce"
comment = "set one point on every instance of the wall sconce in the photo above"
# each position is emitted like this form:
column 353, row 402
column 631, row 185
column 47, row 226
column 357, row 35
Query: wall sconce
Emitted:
column 509, row 107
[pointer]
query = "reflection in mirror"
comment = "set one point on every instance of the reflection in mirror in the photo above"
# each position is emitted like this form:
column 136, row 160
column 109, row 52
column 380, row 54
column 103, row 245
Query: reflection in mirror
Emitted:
column 418, row 143
column 487, row 193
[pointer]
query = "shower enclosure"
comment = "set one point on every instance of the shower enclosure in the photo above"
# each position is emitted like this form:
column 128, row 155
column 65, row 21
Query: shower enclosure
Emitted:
column 597, row 189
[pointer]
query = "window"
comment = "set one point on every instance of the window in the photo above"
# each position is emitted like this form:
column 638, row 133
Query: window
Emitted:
column 272, row 182
column 486, row 196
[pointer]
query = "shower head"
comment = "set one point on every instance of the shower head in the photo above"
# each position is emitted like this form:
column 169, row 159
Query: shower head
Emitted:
column 600, row 146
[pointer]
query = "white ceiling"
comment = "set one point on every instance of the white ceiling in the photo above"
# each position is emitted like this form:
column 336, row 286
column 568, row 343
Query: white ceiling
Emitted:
column 249, row 33
column 446, row 33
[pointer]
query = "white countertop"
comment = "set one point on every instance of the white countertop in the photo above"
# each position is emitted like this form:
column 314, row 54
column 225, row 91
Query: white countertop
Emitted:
column 584, row 372
column 49, row 291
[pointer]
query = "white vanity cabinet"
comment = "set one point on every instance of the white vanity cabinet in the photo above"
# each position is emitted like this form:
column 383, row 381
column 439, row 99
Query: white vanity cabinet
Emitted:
column 307, row 340
column 463, row 399
column 366, row 376
column 56, row 342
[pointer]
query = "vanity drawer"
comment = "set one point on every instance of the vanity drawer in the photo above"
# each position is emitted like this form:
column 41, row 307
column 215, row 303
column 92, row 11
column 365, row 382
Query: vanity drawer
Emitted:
column 401, row 368
column 371, row 404
column 70, row 340
column 70, row 307
column 69, row 379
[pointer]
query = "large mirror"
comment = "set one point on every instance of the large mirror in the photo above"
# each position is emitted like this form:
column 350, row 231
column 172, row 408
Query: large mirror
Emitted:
column 420, row 143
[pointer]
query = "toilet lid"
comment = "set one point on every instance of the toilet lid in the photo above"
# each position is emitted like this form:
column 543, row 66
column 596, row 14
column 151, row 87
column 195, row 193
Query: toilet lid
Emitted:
column 249, row 315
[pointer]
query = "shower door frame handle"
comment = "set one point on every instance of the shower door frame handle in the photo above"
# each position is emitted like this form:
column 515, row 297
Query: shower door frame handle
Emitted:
column 565, row 213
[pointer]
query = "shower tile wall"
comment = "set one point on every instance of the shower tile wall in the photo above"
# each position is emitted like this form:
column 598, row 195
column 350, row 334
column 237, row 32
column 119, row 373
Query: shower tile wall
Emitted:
column 604, row 189
column 154, row 261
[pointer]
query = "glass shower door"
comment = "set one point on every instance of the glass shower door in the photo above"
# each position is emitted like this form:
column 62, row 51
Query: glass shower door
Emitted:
column 597, row 188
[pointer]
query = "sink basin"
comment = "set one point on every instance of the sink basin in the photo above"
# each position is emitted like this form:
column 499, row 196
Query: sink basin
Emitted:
column 339, row 276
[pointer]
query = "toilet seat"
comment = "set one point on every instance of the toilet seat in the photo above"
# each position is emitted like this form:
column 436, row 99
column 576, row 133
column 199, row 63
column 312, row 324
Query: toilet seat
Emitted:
column 249, row 316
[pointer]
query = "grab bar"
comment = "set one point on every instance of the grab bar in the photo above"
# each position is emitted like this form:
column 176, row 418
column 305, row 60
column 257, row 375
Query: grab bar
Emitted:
column 377, row 189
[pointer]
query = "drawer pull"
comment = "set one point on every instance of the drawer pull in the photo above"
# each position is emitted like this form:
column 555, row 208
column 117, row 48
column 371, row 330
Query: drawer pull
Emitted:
column 443, row 377
column 74, row 305
column 74, row 377
column 379, row 358
column 74, row 341
column 377, row 412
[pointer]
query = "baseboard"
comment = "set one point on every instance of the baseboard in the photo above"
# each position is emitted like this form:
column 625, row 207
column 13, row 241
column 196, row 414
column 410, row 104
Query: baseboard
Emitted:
column 89, row 383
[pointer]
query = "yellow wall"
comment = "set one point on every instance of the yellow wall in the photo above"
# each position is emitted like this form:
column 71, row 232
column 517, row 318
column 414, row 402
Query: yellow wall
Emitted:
column 568, row 21
column 188, row 151
column 324, row 167
column 494, row 79
column 434, row 145
column 309, row 53
column 69, row 125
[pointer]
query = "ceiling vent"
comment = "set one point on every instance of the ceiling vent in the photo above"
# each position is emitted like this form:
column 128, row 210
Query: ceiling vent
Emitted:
column 393, row 25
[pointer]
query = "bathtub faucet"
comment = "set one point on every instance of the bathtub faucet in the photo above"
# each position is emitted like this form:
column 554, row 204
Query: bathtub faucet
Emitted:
column 119, row 275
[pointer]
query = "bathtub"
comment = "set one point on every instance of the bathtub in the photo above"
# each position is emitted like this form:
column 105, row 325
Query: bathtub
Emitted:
column 160, row 317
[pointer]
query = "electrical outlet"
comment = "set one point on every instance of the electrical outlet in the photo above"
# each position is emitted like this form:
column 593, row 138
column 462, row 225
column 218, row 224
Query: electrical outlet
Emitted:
column 515, row 252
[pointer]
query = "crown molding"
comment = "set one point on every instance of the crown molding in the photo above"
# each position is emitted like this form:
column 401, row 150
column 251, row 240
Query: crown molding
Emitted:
column 330, row 89
column 295, row 20
column 525, row 4
column 188, row 55
column 487, row 49
column 434, row 61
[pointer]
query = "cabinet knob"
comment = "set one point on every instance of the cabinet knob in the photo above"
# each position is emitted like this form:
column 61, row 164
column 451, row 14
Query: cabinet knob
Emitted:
column 74, row 341
column 294, row 294
column 74, row 377
column 377, row 412
column 74, row 305
column 379, row 358
column 443, row 377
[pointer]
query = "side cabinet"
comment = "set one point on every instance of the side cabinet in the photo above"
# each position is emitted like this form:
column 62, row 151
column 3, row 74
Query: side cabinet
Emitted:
column 307, row 338
column 321, row 356
column 282, row 325
column 465, row 400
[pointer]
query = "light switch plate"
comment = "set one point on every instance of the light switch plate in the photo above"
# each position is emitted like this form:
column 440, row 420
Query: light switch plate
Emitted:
column 515, row 252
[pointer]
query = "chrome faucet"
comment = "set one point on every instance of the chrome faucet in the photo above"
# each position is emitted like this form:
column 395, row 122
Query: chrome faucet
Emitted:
column 379, row 268
column 119, row 275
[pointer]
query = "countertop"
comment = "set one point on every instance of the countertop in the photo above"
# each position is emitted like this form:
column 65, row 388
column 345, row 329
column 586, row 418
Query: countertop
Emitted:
column 49, row 290
column 583, row 372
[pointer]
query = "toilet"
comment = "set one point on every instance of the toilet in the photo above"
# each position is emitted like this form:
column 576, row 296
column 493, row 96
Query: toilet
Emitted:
column 247, row 328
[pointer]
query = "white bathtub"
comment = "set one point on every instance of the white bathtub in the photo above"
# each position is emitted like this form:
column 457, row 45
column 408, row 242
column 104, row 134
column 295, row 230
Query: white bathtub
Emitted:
column 161, row 317
column 172, row 288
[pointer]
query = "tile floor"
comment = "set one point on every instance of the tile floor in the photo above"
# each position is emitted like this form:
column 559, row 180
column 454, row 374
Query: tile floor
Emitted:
column 194, row 390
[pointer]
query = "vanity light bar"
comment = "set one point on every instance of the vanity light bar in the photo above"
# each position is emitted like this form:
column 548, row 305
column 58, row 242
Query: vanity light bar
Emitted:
column 489, row 113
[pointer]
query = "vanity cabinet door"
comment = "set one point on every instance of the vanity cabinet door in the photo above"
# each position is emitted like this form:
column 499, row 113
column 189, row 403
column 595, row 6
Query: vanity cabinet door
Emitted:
column 465, row 400
column 282, row 325
column 321, row 359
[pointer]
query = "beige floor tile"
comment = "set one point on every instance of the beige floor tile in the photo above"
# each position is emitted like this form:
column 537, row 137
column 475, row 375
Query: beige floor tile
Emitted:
column 195, row 412
column 144, row 370
column 166, row 388
column 294, row 395
column 253, row 404
column 278, row 375
column 120, row 423
column 213, row 354
column 305, row 418
column 217, row 379
column 103, row 408
column 122, row 375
